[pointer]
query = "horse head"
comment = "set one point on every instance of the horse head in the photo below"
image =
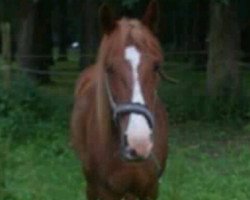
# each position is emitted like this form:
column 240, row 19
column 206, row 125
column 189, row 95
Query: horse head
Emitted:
column 131, row 56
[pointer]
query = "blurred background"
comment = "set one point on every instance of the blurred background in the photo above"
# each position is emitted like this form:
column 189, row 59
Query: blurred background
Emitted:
column 44, row 45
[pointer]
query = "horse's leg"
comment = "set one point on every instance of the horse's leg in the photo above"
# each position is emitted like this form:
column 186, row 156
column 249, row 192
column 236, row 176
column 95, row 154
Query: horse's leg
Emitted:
column 130, row 197
column 151, row 194
column 91, row 192
column 105, row 194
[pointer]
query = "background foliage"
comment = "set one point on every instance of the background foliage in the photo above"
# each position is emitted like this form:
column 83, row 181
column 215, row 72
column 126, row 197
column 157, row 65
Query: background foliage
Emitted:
column 209, row 136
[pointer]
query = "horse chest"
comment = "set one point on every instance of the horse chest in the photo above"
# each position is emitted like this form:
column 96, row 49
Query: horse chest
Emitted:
column 130, row 179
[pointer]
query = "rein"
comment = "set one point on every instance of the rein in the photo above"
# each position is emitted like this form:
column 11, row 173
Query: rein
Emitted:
column 125, row 108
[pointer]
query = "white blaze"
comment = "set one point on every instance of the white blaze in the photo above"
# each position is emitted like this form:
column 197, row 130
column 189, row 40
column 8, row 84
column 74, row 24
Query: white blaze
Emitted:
column 138, row 130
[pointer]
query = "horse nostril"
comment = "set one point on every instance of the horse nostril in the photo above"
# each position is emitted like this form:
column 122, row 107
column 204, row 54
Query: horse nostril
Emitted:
column 133, row 153
column 136, row 148
column 151, row 137
column 125, row 140
column 130, row 154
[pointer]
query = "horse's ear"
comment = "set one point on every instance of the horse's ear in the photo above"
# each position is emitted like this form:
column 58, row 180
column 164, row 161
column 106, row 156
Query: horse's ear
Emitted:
column 151, row 15
column 107, row 19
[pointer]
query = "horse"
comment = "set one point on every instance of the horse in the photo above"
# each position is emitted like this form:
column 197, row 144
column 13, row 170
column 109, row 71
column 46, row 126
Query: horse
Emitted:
column 119, row 125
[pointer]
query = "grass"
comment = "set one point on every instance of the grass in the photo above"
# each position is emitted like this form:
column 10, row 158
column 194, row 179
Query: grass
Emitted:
column 208, row 160
column 202, row 165
column 35, row 172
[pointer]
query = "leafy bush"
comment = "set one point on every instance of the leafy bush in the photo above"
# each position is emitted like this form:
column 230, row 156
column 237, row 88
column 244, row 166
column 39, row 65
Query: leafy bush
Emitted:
column 200, row 107
column 188, row 100
column 24, row 105
column 23, row 96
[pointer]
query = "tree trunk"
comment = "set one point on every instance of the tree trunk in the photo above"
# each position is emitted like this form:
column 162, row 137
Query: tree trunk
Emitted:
column 199, row 31
column 164, row 27
column 6, row 53
column 8, row 13
column 245, row 42
column 63, row 29
column 89, row 32
column 200, row 25
column 35, row 40
column 224, row 45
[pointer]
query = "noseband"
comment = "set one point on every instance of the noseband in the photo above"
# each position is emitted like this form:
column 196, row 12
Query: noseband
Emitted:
column 126, row 108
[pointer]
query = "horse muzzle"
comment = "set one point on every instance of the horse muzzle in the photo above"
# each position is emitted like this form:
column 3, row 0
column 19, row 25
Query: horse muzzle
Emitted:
column 137, row 143
column 137, row 151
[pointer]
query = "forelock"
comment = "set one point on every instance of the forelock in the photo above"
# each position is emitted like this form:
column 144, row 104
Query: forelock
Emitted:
column 132, row 32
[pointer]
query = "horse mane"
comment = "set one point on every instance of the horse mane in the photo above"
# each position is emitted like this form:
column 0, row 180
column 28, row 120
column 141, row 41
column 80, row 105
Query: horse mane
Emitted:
column 84, row 82
column 126, row 32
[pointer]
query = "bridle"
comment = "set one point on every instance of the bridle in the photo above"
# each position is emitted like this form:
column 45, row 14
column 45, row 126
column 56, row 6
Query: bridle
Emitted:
column 127, row 108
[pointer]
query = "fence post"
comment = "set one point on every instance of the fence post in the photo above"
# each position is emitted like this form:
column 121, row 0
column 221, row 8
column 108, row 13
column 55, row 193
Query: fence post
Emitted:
column 6, row 53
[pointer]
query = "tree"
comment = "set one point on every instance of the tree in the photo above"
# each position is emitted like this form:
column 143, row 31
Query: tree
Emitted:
column 243, row 7
column 62, row 29
column 224, row 45
column 8, row 13
column 89, row 36
column 35, row 39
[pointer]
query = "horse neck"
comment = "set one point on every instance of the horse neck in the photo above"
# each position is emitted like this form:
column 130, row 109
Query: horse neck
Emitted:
column 107, row 130
column 103, row 111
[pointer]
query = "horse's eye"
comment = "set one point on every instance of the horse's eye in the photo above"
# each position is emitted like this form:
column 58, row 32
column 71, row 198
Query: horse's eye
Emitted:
column 156, row 67
column 110, row 70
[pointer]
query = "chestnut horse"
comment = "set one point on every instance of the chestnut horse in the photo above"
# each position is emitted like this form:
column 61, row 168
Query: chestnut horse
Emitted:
column 119, row 125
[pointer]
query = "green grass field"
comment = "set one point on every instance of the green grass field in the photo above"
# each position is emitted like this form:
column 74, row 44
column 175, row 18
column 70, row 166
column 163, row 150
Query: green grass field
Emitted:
column 201, row 165
column 208, row 160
